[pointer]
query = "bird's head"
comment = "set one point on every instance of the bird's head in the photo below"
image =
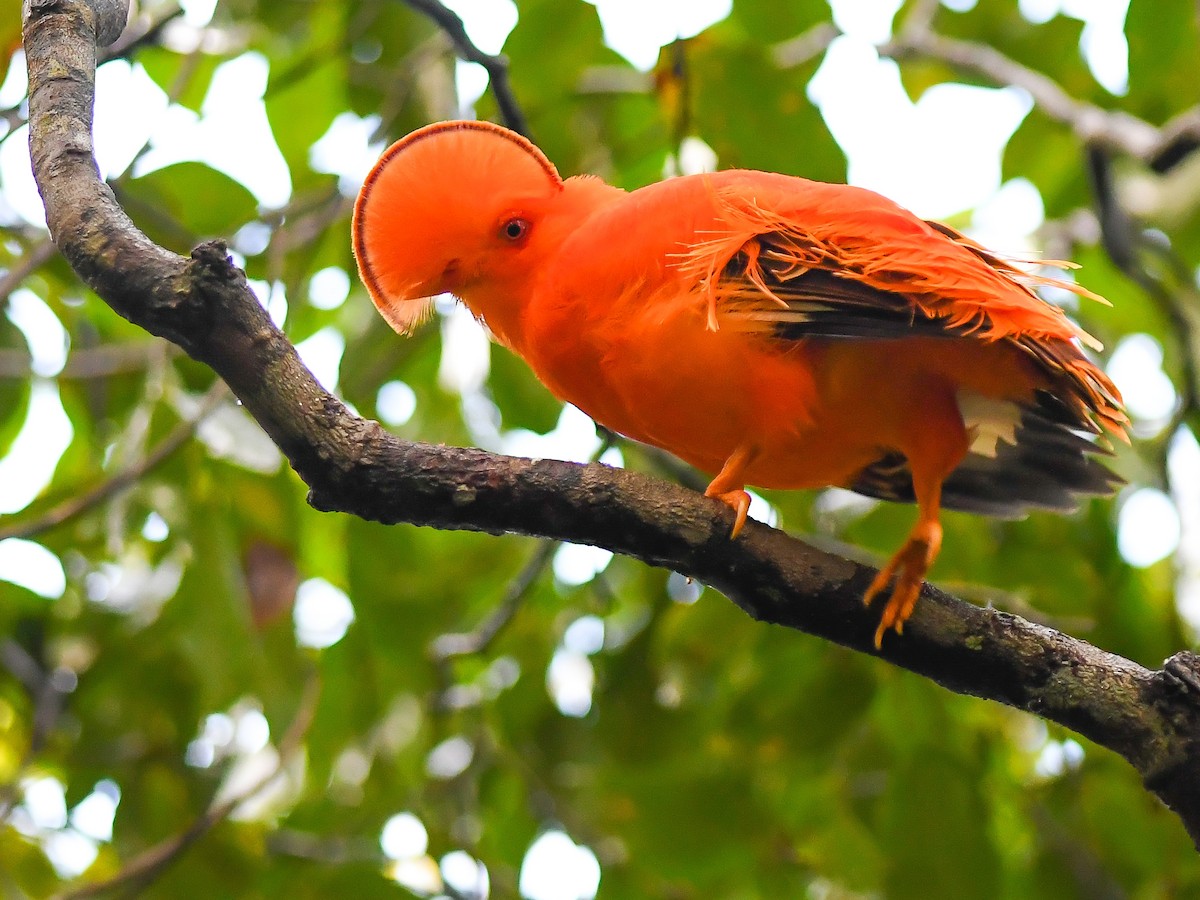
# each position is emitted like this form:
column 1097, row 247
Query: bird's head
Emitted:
column 452, row 207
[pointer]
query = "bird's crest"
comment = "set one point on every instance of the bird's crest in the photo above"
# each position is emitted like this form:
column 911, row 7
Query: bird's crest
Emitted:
column 403, row 230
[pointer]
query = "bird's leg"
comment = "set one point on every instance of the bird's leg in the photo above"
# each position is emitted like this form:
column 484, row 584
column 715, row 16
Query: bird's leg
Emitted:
column 938, row 444
column 909, row 567
column 729, row 486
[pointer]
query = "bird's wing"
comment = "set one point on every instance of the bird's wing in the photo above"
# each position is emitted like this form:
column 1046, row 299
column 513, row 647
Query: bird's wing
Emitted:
column 845, row 263
column 840, row 261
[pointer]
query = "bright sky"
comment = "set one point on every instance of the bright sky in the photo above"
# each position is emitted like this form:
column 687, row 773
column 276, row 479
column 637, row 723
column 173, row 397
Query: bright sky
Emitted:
column 948, row 162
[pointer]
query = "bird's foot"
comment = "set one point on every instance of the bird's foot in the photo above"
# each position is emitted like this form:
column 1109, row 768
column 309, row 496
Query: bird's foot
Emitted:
column 728, row 486
column 738, row 501
column 908, row 567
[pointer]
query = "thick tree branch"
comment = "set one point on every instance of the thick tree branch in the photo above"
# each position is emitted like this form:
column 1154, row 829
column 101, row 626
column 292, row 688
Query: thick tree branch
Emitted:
column 1152, row 718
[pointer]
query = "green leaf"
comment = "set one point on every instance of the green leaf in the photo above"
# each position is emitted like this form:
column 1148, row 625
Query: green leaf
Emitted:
column 524, row 401
column 26, row 864
column 203, row 201
column 741, row 96
column 184, row 77
column 1163, row 64
column 14, row 408
column 934, row 828
column 771, row 23
column 304, row 95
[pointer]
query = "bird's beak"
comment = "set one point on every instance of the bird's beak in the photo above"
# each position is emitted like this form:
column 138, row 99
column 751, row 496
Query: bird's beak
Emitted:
column 402, row 270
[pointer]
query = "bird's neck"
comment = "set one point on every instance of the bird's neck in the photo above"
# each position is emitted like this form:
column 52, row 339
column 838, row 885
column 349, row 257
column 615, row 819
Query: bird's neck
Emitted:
column 501, row 306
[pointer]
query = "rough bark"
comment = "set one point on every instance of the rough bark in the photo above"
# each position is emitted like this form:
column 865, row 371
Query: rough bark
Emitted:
column 1151, row 718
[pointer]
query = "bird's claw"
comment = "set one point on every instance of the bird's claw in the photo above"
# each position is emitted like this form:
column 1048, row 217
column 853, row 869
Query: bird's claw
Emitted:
column 908, row 567
column 739, row 502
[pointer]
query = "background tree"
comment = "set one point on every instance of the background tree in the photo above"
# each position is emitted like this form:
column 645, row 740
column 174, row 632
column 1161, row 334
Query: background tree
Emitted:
column 281, row 701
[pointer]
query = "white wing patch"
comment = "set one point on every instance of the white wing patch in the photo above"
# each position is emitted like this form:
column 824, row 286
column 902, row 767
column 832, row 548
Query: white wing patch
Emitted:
column 988, row 422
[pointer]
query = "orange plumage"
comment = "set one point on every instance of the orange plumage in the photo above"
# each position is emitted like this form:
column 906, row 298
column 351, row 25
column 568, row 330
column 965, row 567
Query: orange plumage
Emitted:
column 775, row 331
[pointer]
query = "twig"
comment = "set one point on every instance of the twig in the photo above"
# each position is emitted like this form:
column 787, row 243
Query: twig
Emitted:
column 188, row 68
column 1178, row 138
column 323, row 849
column 340, row 851
column 300, row 204
column 919, row 15
column 101, row 361
column 13, row 118
column 448, row 646
column 141, row 31
column 804, row 46
column 149, row 865
column 1008, row 601
column 673, row 83
column 300, row 231
column 35, row 257
column 667, row 465
column 130, row 475
column 1091, row 123
column 496, row 66
column 1092, row 877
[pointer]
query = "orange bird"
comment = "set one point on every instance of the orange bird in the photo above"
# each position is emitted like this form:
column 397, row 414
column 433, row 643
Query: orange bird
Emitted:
column 775, row 331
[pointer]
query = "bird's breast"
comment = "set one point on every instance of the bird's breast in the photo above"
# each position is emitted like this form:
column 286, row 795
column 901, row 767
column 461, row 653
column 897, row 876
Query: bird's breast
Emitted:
column 655, row 373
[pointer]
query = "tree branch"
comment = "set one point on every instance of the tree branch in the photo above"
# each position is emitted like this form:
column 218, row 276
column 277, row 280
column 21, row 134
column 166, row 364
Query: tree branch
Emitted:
column 446, row 647
column 34, row 258
column 805, row 46
column 1092, row 124
column 1161, row 148
column 100, row 361
column 1151, row 718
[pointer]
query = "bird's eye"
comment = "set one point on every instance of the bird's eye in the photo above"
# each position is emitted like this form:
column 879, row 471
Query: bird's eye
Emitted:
column 514, row 229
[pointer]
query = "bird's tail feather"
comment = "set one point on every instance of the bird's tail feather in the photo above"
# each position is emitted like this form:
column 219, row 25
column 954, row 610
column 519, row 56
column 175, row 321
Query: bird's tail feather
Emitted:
column 1048, row 464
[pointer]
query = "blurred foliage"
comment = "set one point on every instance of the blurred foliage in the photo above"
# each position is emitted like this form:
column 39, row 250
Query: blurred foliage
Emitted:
column 719, row 757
